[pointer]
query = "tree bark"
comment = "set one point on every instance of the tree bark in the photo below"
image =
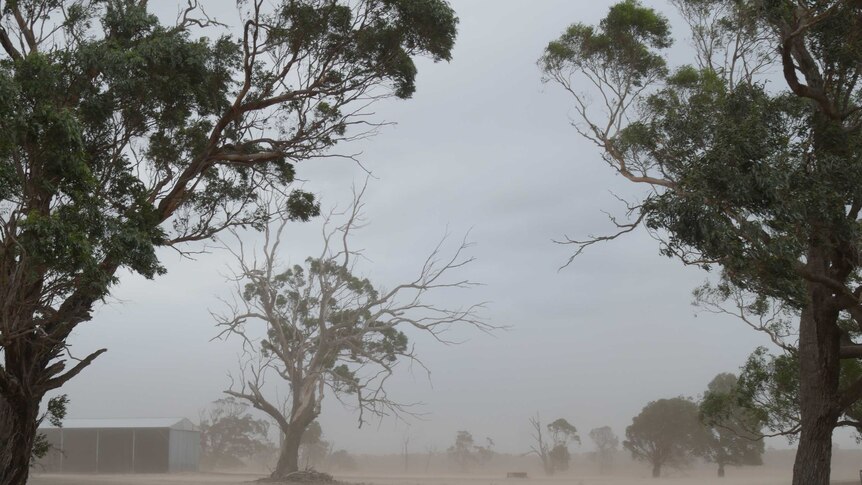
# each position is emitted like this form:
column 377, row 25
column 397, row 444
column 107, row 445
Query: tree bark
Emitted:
column 721, row 470
column 17, row 433
column 288, row 459
column 819, row 367
column 656, row 470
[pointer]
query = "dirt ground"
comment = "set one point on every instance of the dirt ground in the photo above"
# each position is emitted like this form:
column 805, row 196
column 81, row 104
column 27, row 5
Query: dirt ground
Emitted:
column 388, row 470
column 235, row 479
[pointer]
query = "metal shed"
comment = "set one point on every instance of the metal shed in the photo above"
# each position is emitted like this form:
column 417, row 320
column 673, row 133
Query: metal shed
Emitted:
column 140, row 445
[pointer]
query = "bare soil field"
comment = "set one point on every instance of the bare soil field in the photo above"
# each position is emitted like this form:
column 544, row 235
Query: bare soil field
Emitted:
column 694, row 478
column 388, row 470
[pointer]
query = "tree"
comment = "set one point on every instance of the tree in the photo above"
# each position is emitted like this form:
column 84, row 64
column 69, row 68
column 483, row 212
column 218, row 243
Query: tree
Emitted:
column 230, row 434
column 405, row 451
column 120, row 136
column 312, row 447
column 430, row 453
column 733, row 435
column 769, row 384
column 462, row 451
column 562, row 433
column 485, row 453
column 554, row 455
column 541, row 448
column 756, row 179
column 329, row 330
column 606, row 445
column 466, row 453
column 667, row 432
column 342, row 460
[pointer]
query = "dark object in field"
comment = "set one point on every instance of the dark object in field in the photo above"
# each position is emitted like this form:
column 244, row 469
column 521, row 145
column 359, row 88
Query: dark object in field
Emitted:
column 516, row 475
column 303, row 476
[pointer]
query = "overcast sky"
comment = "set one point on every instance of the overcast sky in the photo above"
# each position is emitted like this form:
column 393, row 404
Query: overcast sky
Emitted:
column 482, row 146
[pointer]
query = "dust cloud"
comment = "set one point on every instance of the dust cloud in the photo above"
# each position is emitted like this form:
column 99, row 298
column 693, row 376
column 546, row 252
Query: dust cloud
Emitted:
column 388, row 470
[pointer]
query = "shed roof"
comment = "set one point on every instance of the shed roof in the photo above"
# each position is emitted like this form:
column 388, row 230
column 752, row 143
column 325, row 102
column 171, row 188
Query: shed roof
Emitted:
column 182, row 424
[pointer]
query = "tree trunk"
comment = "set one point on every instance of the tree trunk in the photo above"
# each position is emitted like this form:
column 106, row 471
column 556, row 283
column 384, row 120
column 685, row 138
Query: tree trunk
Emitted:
column 17, row 433
column 288, row 459
column 819, row 368
column 814, row 453
column 656, row 470
column 721, row 470
column 548, row 466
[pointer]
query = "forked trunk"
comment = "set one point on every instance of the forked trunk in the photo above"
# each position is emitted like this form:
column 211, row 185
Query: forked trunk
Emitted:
column 288, row 459
column 17, row 433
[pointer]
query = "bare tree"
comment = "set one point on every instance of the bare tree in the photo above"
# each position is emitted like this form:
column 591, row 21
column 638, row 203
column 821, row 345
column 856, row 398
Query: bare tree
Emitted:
column 430, row 453
column 328, row 329
column 404, row 443
column 554, row 455
column 541, row 448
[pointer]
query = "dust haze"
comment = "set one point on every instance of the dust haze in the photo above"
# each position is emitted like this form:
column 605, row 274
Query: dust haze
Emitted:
column 434, row 469
column 480, row 172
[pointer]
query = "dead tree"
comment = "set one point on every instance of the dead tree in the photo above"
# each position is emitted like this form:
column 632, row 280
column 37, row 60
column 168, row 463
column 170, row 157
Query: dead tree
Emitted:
column 541, row 449
column 329, row 330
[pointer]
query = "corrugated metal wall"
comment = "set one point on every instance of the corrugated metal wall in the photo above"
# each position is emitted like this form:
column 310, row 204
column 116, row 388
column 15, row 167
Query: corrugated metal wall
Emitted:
column 121, row 451
column 184, row 450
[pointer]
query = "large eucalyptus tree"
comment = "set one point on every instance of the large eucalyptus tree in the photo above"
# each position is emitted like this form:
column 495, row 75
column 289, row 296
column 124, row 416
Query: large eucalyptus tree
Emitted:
column 321, row 328
column 120, row 135
column 753, row 154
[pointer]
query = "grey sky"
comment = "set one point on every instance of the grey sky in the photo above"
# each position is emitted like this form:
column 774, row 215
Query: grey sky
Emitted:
column 483, row 145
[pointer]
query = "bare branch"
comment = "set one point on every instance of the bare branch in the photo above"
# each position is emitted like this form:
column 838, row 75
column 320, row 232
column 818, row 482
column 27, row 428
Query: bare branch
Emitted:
column 325, row 329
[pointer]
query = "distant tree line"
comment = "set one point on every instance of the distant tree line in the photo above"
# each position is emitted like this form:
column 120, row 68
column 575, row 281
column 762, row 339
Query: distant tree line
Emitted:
column 719, row 428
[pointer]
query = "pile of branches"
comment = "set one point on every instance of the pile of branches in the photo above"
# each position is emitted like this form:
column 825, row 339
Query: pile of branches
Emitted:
column 302, row 476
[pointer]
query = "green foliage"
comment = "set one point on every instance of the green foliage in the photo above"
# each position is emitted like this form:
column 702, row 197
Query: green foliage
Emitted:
column 667, row 432
column 769, row 387
column 55, row 413
column 312, row 447
column 562, row 433
column 303, row 295
column 466, row 453
column 342, row 460
column 95, row 133
column 560, row 457
column 383, row 44
column 733, row 434
column 760, row 179
column 620, row 44
column 462, row 450
column 230, row 435
column 606, row 446
column 120, row 135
